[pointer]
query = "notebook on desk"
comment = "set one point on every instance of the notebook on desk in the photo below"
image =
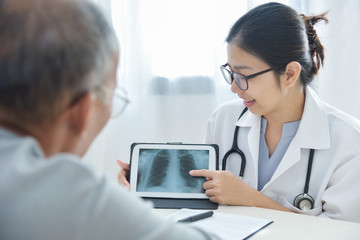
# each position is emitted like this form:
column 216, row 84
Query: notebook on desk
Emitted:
column 159, row 172
column 225, row 226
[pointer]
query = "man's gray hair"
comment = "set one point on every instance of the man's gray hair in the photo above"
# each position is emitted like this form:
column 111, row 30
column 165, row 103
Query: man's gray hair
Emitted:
column 51, row 53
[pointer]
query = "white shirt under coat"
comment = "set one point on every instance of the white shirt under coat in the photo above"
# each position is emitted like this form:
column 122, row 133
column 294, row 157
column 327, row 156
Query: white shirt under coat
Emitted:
column 335, row 136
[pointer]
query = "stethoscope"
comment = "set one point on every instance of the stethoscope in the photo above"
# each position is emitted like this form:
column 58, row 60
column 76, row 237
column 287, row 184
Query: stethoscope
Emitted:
column 303, row 201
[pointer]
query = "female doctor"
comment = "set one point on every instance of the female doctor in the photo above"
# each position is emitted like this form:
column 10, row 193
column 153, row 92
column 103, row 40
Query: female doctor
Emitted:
column 289, row 150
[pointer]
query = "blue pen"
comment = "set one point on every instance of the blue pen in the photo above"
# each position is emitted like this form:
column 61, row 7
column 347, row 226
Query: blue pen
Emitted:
column 197, row 217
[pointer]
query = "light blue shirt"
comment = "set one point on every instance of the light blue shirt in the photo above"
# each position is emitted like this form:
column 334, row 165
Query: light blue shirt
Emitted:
column 267, row 165
column 61, row 198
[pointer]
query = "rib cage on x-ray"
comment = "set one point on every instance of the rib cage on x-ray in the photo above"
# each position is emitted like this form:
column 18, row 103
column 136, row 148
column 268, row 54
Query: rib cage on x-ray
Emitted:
column 159, row 167
column 187, row 163
column 167, row 170
column 160, row 164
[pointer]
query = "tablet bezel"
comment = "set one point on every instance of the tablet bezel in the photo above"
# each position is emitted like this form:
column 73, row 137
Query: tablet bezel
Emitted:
column 134, row 160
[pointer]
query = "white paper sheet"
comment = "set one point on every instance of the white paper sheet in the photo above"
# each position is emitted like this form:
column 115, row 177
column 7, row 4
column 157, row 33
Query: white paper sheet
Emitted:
column 224, row 225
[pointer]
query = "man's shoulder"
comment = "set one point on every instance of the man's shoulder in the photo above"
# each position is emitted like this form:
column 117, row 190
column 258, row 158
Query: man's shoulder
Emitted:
column 41, row 193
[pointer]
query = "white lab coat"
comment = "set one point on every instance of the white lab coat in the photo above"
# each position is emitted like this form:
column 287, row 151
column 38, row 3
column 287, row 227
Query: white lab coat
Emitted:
column 335, row 136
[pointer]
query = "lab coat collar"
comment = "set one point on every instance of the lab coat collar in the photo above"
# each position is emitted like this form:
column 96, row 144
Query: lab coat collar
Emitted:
column 314, row 129
column 313, row 133
column 249, row 120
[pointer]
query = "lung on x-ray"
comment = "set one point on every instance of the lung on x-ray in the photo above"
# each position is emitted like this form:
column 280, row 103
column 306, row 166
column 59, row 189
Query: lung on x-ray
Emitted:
column 167, row 170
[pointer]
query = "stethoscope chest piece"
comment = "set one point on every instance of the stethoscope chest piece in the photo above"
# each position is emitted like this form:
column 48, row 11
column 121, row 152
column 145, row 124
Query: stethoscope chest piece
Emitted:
column 304, row 202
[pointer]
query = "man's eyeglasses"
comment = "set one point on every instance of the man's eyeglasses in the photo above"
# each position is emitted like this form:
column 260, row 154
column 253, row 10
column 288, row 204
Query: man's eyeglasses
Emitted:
column 119, row 102
column 241, row 80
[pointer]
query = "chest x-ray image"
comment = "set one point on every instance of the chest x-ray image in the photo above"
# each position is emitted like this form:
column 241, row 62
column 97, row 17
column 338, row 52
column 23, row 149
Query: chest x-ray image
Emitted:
column 167, row 170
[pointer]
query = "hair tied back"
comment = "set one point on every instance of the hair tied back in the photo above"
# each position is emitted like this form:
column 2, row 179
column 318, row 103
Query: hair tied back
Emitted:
column 316, row 49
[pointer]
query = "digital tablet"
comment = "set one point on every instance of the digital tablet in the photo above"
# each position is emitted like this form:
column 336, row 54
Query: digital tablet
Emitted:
column 160, row 172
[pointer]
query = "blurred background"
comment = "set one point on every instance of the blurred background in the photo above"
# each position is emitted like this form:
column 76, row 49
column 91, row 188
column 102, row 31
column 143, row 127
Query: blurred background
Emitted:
column 171, row 51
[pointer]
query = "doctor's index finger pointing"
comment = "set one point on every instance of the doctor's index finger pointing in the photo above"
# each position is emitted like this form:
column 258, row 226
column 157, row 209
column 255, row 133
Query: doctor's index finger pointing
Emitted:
column 202, row 173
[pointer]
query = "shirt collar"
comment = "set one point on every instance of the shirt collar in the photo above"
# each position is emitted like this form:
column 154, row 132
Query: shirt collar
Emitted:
column 289, row 129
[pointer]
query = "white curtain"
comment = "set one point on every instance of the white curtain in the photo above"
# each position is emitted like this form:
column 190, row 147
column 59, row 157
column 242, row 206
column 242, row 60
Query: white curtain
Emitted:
column 170, row 57
column 339, row 81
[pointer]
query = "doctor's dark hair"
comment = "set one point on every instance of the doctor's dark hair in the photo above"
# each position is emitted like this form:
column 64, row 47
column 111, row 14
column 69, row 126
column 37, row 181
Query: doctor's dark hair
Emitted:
column 51, row 54
column 278, row 35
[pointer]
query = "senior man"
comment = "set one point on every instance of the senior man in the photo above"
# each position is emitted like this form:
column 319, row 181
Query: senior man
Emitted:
column 58, row 61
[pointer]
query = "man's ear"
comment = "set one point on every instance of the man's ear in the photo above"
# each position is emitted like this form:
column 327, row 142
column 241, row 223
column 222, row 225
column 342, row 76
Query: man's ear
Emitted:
column 291, row 74
column 78, row 115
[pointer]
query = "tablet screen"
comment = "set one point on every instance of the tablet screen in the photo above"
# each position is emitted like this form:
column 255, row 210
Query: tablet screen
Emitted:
column 162, row 170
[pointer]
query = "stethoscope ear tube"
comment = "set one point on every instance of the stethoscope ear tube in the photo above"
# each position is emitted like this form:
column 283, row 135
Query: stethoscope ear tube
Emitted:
column 243, row 163
column 308, row 173
column 243, row 160
column 223, row 167
column 235, row 149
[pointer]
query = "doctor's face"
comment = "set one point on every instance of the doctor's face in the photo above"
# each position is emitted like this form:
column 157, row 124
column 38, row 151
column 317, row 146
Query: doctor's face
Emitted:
column 264, row 94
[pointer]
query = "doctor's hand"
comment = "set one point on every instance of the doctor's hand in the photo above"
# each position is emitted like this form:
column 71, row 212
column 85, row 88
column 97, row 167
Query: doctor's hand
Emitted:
column 123, row 175
column 224, row 187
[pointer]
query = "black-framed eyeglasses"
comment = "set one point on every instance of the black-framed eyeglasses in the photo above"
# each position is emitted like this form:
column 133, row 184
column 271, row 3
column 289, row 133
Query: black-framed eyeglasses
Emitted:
column 241, row 80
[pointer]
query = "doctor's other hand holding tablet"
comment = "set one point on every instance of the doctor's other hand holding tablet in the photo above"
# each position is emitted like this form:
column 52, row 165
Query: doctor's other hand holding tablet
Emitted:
column 123, row 175
column 280, row 146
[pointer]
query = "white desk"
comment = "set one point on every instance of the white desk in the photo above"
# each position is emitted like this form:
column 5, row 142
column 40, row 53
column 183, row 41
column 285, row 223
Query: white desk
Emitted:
column 291, row 225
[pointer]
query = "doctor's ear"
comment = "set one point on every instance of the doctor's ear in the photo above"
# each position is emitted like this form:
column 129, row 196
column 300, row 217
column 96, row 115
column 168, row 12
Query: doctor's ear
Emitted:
column 291, row 74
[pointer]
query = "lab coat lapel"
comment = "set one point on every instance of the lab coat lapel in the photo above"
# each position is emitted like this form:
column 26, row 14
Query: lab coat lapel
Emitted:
column 313, row 133
column 253, row 122
column 291, row 156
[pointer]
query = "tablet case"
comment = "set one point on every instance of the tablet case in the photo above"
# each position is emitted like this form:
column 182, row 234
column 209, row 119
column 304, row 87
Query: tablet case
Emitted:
column 177, row 203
